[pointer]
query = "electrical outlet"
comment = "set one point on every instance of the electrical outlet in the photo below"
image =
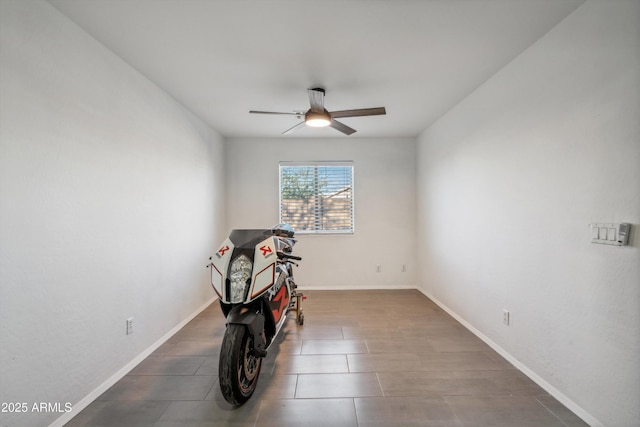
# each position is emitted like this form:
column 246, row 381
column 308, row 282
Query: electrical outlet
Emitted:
column 130, row 326
column 404, row 268
column 378, row 268
column 506, row 317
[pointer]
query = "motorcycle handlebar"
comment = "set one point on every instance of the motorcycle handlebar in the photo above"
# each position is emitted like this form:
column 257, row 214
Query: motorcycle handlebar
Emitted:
column 287, row 256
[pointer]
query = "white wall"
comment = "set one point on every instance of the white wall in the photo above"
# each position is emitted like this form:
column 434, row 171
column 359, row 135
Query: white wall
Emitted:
column 108, row 209
column 508, row 182
column 384, row 196
column 110, row 201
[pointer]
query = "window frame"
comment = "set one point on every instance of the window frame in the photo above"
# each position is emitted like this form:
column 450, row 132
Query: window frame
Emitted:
column 316, row 164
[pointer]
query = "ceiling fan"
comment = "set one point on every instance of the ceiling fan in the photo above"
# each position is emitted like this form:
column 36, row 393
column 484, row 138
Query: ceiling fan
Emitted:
column 318, row 116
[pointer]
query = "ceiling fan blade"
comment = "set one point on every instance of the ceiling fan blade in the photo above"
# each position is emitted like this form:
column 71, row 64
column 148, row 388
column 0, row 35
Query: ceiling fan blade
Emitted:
column 275, row 112
column 316, row 99
column 361, row 112
column 342, row 127
column 290, row 130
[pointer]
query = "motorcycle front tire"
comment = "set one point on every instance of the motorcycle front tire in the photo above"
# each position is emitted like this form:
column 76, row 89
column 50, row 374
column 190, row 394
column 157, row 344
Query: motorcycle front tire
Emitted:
column 239, row 366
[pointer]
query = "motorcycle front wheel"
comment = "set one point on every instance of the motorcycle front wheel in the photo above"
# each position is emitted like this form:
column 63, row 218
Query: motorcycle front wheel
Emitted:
column 239, row 365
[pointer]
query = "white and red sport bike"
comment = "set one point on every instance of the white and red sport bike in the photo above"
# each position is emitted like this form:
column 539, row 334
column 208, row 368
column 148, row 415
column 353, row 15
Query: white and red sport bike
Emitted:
column 252, row 273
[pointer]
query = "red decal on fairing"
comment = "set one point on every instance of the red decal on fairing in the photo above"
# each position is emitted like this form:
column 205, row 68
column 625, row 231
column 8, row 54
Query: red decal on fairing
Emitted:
column 223, row 250
column 277, row 313
column 265, row 250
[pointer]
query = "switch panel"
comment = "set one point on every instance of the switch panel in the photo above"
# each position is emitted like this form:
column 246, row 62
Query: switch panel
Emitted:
column 610, row 234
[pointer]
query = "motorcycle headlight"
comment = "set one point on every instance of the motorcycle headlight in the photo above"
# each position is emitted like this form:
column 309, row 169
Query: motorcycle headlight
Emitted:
column 239, row 275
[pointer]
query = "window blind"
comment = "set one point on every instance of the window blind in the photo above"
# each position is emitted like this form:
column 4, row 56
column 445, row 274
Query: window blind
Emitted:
column 317, row 197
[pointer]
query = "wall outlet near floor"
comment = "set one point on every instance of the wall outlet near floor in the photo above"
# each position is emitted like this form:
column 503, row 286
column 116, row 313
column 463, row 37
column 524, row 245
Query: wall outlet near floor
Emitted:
column 404, row 268
column 506, row 317
column 378, row 268
column 130, row 326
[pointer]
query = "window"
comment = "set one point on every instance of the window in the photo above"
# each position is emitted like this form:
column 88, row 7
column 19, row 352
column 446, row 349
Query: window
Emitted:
column 317, row 197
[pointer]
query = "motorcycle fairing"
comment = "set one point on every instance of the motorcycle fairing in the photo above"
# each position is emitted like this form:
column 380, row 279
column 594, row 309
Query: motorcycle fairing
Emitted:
column 263, row 256
column 264, row 267
column 269, row 280
column 220, row 261
column 279, row 304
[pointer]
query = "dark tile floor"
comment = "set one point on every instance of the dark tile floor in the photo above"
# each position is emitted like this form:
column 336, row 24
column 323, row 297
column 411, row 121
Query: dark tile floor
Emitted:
column 363, row 358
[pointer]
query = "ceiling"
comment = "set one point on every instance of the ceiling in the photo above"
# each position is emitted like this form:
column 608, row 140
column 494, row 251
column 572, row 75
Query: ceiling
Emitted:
column 222, row 58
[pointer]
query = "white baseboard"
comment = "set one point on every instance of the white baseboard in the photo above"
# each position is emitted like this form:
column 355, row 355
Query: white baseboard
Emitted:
column 88, row 399
column 306, row 287
column 574, row 407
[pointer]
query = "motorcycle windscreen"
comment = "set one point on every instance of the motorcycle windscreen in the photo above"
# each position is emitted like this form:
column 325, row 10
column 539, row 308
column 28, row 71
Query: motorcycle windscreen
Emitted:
column 248, row 238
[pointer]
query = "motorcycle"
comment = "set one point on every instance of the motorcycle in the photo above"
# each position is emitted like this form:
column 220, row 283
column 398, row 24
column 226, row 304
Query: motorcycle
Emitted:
column 252, row 274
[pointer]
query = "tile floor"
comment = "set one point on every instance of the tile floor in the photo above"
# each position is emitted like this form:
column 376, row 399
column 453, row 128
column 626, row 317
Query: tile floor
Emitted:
column 363, row 358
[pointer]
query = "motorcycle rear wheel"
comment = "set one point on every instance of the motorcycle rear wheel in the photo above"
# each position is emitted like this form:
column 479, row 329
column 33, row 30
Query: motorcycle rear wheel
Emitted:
column 239, row 366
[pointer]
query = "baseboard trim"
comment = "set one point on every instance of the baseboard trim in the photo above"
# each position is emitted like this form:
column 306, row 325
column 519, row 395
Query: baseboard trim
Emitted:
column 353, row 288
column 88, row 399
column 574, row 407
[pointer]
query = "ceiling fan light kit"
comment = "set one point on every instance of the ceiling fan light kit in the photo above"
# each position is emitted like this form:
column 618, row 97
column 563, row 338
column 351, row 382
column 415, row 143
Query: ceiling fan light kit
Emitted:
column 317, row 120
column 318, row 116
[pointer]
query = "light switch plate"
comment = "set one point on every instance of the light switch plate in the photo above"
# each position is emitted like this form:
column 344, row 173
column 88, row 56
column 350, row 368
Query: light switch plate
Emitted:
column 610, row 233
